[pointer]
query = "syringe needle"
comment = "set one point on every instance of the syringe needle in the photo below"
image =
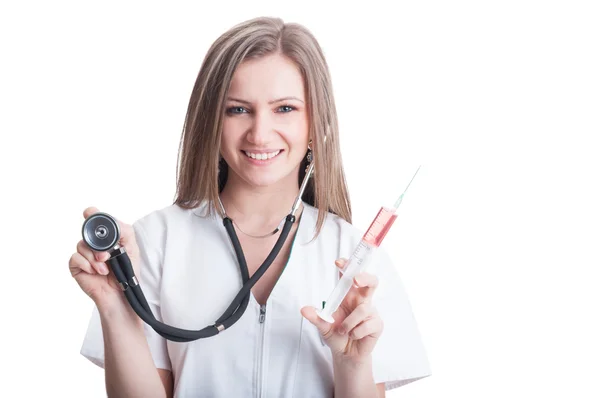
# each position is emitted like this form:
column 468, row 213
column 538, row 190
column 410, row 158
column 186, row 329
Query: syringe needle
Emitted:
column 405, row 189
column 411, row 180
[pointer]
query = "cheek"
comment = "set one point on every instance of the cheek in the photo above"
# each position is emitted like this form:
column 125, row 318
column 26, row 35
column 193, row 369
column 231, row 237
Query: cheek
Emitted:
column 297, row 133
column 230, row 137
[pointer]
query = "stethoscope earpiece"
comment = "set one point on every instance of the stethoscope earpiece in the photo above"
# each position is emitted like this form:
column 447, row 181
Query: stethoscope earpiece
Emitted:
column 101, row 232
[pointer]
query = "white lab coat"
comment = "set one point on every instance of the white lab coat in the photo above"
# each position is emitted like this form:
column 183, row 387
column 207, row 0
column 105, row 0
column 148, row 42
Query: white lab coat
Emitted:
column 189, row 275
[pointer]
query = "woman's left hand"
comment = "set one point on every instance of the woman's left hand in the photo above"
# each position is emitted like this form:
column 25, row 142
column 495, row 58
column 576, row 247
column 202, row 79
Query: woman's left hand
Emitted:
column 357, row 326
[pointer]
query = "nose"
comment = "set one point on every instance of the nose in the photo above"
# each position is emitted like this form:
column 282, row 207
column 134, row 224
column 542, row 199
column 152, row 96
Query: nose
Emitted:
column 262, row 128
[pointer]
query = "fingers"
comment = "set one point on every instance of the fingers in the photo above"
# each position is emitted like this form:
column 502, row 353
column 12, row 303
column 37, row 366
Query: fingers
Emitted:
column 78, row 263
column 94, row 259
column 361, row 313
column 367, row 283
column 363, row 324
column 372, row 327
column 341, row 263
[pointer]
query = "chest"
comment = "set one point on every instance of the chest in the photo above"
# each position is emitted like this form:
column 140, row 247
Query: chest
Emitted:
column 200, row 273
column 277, row 355
column 256, row 251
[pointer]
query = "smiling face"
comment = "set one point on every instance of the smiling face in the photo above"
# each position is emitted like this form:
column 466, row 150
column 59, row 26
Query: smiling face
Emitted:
column 265, row 126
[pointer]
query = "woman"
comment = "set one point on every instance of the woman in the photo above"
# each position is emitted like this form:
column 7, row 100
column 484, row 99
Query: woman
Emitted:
column 261, row 109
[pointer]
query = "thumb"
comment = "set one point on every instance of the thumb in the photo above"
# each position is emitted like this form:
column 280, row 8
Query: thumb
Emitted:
column 310, row 313
column 341, row 262
column 89, row 211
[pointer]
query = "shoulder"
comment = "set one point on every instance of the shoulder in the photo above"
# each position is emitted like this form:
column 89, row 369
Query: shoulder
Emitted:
column 155, row 226
column 158, row 220
column 335, row 228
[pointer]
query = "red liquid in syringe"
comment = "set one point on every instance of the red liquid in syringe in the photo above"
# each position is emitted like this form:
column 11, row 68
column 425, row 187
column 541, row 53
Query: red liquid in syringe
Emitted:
column 380, row 226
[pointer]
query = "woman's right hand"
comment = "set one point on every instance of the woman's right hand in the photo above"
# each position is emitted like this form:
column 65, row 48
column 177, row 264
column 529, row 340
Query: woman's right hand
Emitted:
column 93, row 275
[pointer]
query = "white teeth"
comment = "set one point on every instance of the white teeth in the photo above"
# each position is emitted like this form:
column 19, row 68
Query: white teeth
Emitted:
column 261, row 156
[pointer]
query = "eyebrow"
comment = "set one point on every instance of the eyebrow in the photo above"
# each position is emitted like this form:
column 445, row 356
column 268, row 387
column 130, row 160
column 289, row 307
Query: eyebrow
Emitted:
column 270, row 102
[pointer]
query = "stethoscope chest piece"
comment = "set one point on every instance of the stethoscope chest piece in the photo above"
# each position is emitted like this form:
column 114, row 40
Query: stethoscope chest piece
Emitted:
column 101, row 232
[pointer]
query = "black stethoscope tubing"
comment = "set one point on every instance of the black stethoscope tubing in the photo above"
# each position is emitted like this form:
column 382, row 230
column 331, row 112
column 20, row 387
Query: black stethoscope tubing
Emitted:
column 120, row 265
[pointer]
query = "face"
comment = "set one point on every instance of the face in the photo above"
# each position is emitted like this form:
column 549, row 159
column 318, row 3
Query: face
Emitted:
column 265, row 128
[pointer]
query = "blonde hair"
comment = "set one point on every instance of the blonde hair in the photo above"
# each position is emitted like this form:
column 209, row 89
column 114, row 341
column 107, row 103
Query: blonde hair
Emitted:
column 201, row 176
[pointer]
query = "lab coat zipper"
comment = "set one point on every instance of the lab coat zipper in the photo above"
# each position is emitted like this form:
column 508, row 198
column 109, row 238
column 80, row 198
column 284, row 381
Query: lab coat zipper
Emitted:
column 261, row 320
column 263, row 311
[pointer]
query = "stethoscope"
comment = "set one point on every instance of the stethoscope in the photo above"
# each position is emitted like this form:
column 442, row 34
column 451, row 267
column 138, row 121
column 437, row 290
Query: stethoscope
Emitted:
column 101, row 233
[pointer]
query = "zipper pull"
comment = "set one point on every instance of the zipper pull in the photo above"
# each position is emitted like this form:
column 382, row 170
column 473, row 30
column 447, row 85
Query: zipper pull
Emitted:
column 263, row 310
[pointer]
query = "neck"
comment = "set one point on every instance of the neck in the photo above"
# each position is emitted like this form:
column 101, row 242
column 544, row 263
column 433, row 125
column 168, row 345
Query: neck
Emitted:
column 258, row 210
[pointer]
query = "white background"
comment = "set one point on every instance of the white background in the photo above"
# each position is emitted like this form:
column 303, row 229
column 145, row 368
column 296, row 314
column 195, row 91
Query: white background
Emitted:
column 496, row 241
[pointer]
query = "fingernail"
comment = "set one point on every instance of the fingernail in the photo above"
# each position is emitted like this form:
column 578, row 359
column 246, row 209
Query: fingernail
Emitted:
column 103, row 269
column 341, row 330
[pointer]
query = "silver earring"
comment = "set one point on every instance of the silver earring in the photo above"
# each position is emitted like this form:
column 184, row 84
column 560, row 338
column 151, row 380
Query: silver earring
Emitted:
column 309, row 157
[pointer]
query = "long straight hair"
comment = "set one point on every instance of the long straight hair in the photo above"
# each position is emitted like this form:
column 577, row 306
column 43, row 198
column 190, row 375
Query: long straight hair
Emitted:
column 201, row 174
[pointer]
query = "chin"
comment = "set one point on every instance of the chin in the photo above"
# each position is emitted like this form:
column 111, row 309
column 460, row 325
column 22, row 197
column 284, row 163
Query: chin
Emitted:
column 271, row 177
column 263, row 181
column 280, row 173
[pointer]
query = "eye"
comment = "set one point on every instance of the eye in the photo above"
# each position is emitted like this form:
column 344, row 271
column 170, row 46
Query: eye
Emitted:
column 288, row 108
column 236, row 110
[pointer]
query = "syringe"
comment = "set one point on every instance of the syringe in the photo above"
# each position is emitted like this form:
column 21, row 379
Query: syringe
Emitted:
column 362, row 255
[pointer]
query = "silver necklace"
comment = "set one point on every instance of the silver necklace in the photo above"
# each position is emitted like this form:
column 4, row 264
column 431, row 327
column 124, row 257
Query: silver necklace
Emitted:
column 279, row 226
column 260, row 236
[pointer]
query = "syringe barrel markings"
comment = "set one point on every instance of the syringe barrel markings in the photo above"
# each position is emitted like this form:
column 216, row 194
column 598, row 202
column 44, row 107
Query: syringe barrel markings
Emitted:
column 359, row 260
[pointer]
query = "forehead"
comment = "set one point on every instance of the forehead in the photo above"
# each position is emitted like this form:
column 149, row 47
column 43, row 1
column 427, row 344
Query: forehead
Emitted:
column 267, row 78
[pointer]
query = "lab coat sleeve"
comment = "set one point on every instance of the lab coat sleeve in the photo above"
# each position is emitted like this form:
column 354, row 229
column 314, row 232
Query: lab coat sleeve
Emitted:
column 399, row 356
column 150, row 278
